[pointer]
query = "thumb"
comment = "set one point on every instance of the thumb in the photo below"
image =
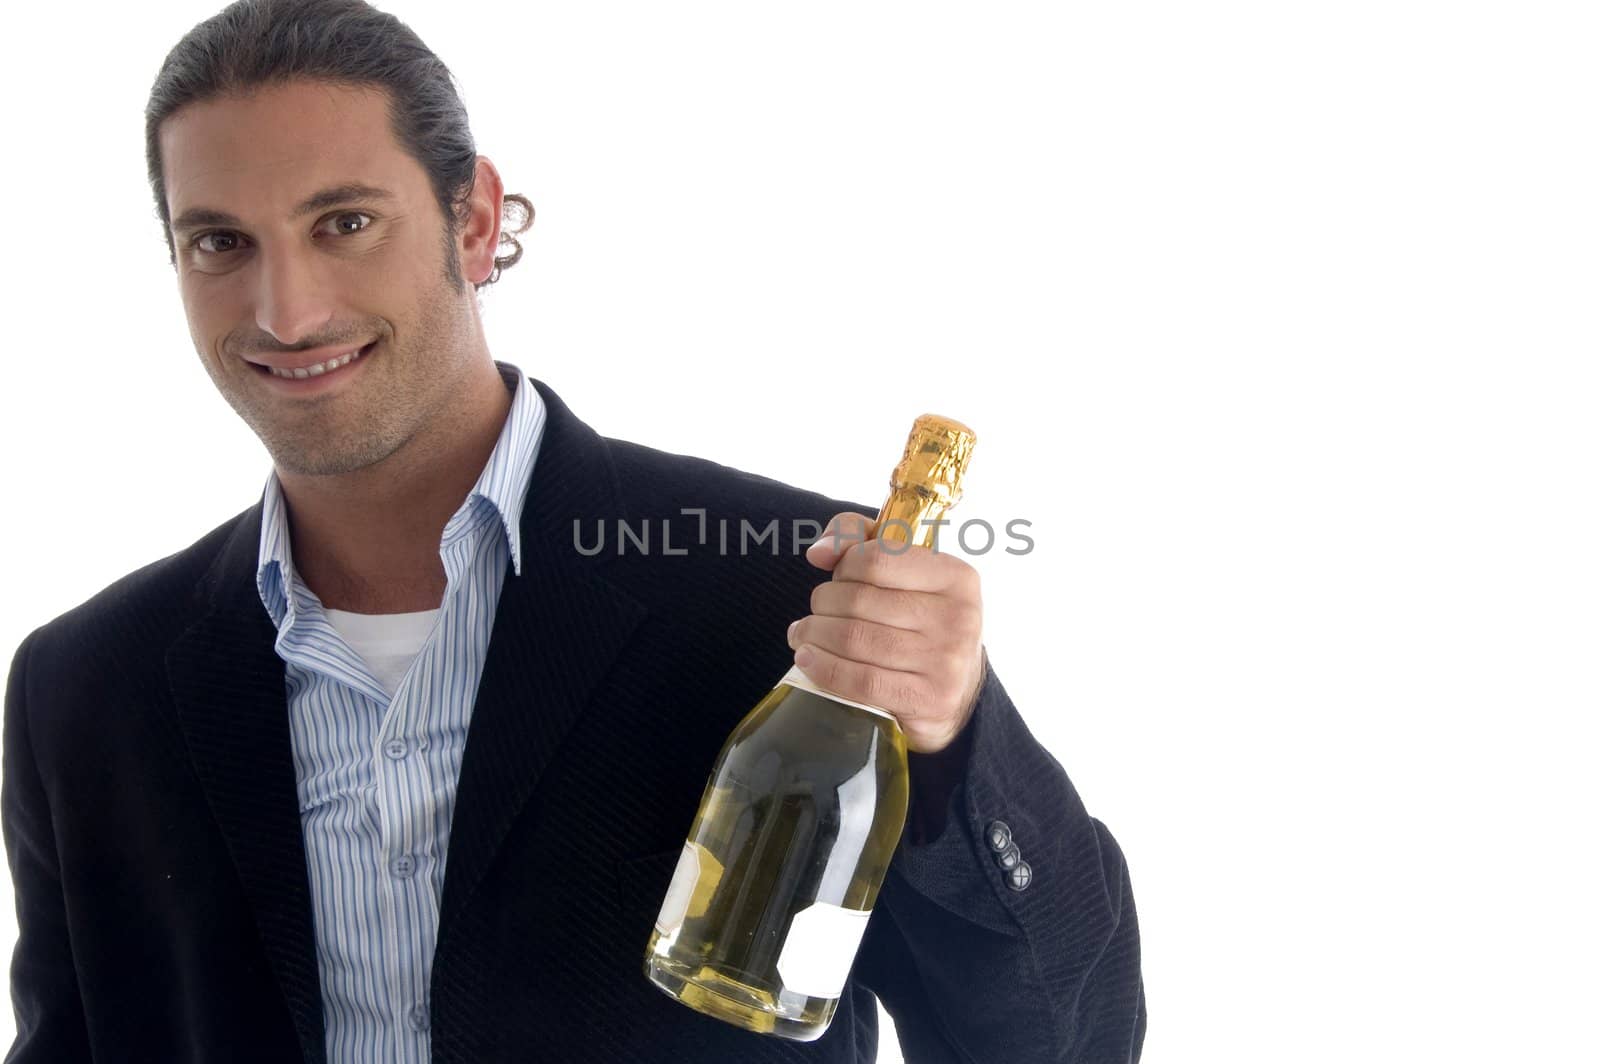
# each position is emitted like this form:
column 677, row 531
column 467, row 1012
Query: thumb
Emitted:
column 844, row 531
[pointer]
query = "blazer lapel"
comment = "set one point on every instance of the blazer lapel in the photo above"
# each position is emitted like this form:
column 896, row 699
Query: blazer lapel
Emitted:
column 228, row 686
column 558, row 628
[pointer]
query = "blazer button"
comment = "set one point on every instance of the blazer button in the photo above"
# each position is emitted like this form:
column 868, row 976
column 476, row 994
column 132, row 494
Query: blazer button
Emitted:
column 999, row 836
column 1019, row 877
column 1010, row 858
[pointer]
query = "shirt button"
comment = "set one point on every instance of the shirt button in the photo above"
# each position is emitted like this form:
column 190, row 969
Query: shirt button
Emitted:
column 395, row 748
column 402, row 867
column 1010, row 858
column 1019, row 877
column 999, row 836
column 419, row 1017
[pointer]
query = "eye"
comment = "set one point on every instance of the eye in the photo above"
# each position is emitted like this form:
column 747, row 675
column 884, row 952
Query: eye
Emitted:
column 222, row 234
column 350, row 214
column 230, row 239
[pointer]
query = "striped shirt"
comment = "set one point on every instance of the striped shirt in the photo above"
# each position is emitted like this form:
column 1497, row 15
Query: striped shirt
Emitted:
column 376, row 773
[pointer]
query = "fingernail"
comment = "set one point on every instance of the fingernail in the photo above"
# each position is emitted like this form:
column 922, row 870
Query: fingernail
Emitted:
column 792, row 626
column 803, row 656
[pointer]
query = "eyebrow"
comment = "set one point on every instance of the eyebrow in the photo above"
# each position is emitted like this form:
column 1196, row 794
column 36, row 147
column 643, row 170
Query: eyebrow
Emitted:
column 195, row 217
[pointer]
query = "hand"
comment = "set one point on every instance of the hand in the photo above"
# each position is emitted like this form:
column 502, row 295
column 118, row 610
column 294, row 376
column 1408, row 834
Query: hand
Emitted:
column 898, row 627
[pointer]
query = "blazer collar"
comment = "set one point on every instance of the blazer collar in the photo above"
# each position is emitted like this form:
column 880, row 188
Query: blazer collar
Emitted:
column 558, row 627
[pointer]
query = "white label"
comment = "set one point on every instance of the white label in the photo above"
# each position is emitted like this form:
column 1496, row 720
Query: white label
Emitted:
column 822, row 944
column 676, row 903
column 796, row 677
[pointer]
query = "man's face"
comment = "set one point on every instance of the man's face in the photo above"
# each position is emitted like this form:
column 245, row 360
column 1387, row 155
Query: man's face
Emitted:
column 277, row 286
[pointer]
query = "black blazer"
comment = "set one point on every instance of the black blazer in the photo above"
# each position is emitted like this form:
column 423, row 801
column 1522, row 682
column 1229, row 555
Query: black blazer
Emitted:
column 152, row 827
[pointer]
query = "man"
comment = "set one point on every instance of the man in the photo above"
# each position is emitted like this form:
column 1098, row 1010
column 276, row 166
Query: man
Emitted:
column 384, row 768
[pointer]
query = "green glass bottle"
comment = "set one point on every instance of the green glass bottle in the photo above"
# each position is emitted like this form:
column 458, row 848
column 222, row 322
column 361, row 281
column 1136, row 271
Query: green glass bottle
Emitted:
column 799, row 820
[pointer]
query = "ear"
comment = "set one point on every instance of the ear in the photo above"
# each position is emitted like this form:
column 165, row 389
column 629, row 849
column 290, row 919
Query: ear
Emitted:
column 479, row 240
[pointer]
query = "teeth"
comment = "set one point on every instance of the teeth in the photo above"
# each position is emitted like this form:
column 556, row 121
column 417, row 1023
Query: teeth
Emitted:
column 317, row 370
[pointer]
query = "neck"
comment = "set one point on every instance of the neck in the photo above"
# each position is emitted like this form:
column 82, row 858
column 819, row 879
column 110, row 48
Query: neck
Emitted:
column 367, row 541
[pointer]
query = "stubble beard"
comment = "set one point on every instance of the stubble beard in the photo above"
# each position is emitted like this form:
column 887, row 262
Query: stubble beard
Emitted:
column 345, row 433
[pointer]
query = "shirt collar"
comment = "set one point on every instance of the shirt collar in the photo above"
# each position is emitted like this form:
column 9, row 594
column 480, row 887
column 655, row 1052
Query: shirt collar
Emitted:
column 503, row 484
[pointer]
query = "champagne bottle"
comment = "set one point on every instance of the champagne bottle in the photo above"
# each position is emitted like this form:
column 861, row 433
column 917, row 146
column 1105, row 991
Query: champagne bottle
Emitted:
column 799, row 820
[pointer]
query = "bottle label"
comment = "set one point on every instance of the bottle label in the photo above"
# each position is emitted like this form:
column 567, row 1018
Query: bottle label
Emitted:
column 795, row 677
column 676, row 904
column 821, row 947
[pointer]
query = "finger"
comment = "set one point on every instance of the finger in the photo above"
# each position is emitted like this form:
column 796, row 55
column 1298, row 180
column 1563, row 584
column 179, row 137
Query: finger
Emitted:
column 899, row 693
column 890, row 564
column 918, row 611
column 862, row 641
column 844, row 530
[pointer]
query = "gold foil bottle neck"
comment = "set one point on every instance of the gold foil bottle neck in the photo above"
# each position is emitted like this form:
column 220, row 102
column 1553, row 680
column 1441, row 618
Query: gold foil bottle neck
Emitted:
column 927, row 480
column 937, row 452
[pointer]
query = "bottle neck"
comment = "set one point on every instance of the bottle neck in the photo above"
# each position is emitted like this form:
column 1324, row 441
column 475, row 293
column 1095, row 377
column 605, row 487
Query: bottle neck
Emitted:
column 906, row 515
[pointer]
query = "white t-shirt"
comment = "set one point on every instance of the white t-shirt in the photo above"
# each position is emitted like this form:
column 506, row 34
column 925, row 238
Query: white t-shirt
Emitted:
column 387, row 642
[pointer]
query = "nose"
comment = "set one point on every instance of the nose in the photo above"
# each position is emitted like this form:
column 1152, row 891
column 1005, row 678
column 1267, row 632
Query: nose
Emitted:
column 293, row 300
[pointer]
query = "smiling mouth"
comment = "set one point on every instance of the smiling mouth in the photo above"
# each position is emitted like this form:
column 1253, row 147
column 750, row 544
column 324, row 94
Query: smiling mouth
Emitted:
column 320, row 369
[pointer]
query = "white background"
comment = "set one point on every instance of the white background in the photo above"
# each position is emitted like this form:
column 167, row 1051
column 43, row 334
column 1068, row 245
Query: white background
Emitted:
column 1278, row 321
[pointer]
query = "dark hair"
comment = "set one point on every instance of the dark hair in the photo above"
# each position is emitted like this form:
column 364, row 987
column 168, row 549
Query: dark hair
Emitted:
column 252, row 43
